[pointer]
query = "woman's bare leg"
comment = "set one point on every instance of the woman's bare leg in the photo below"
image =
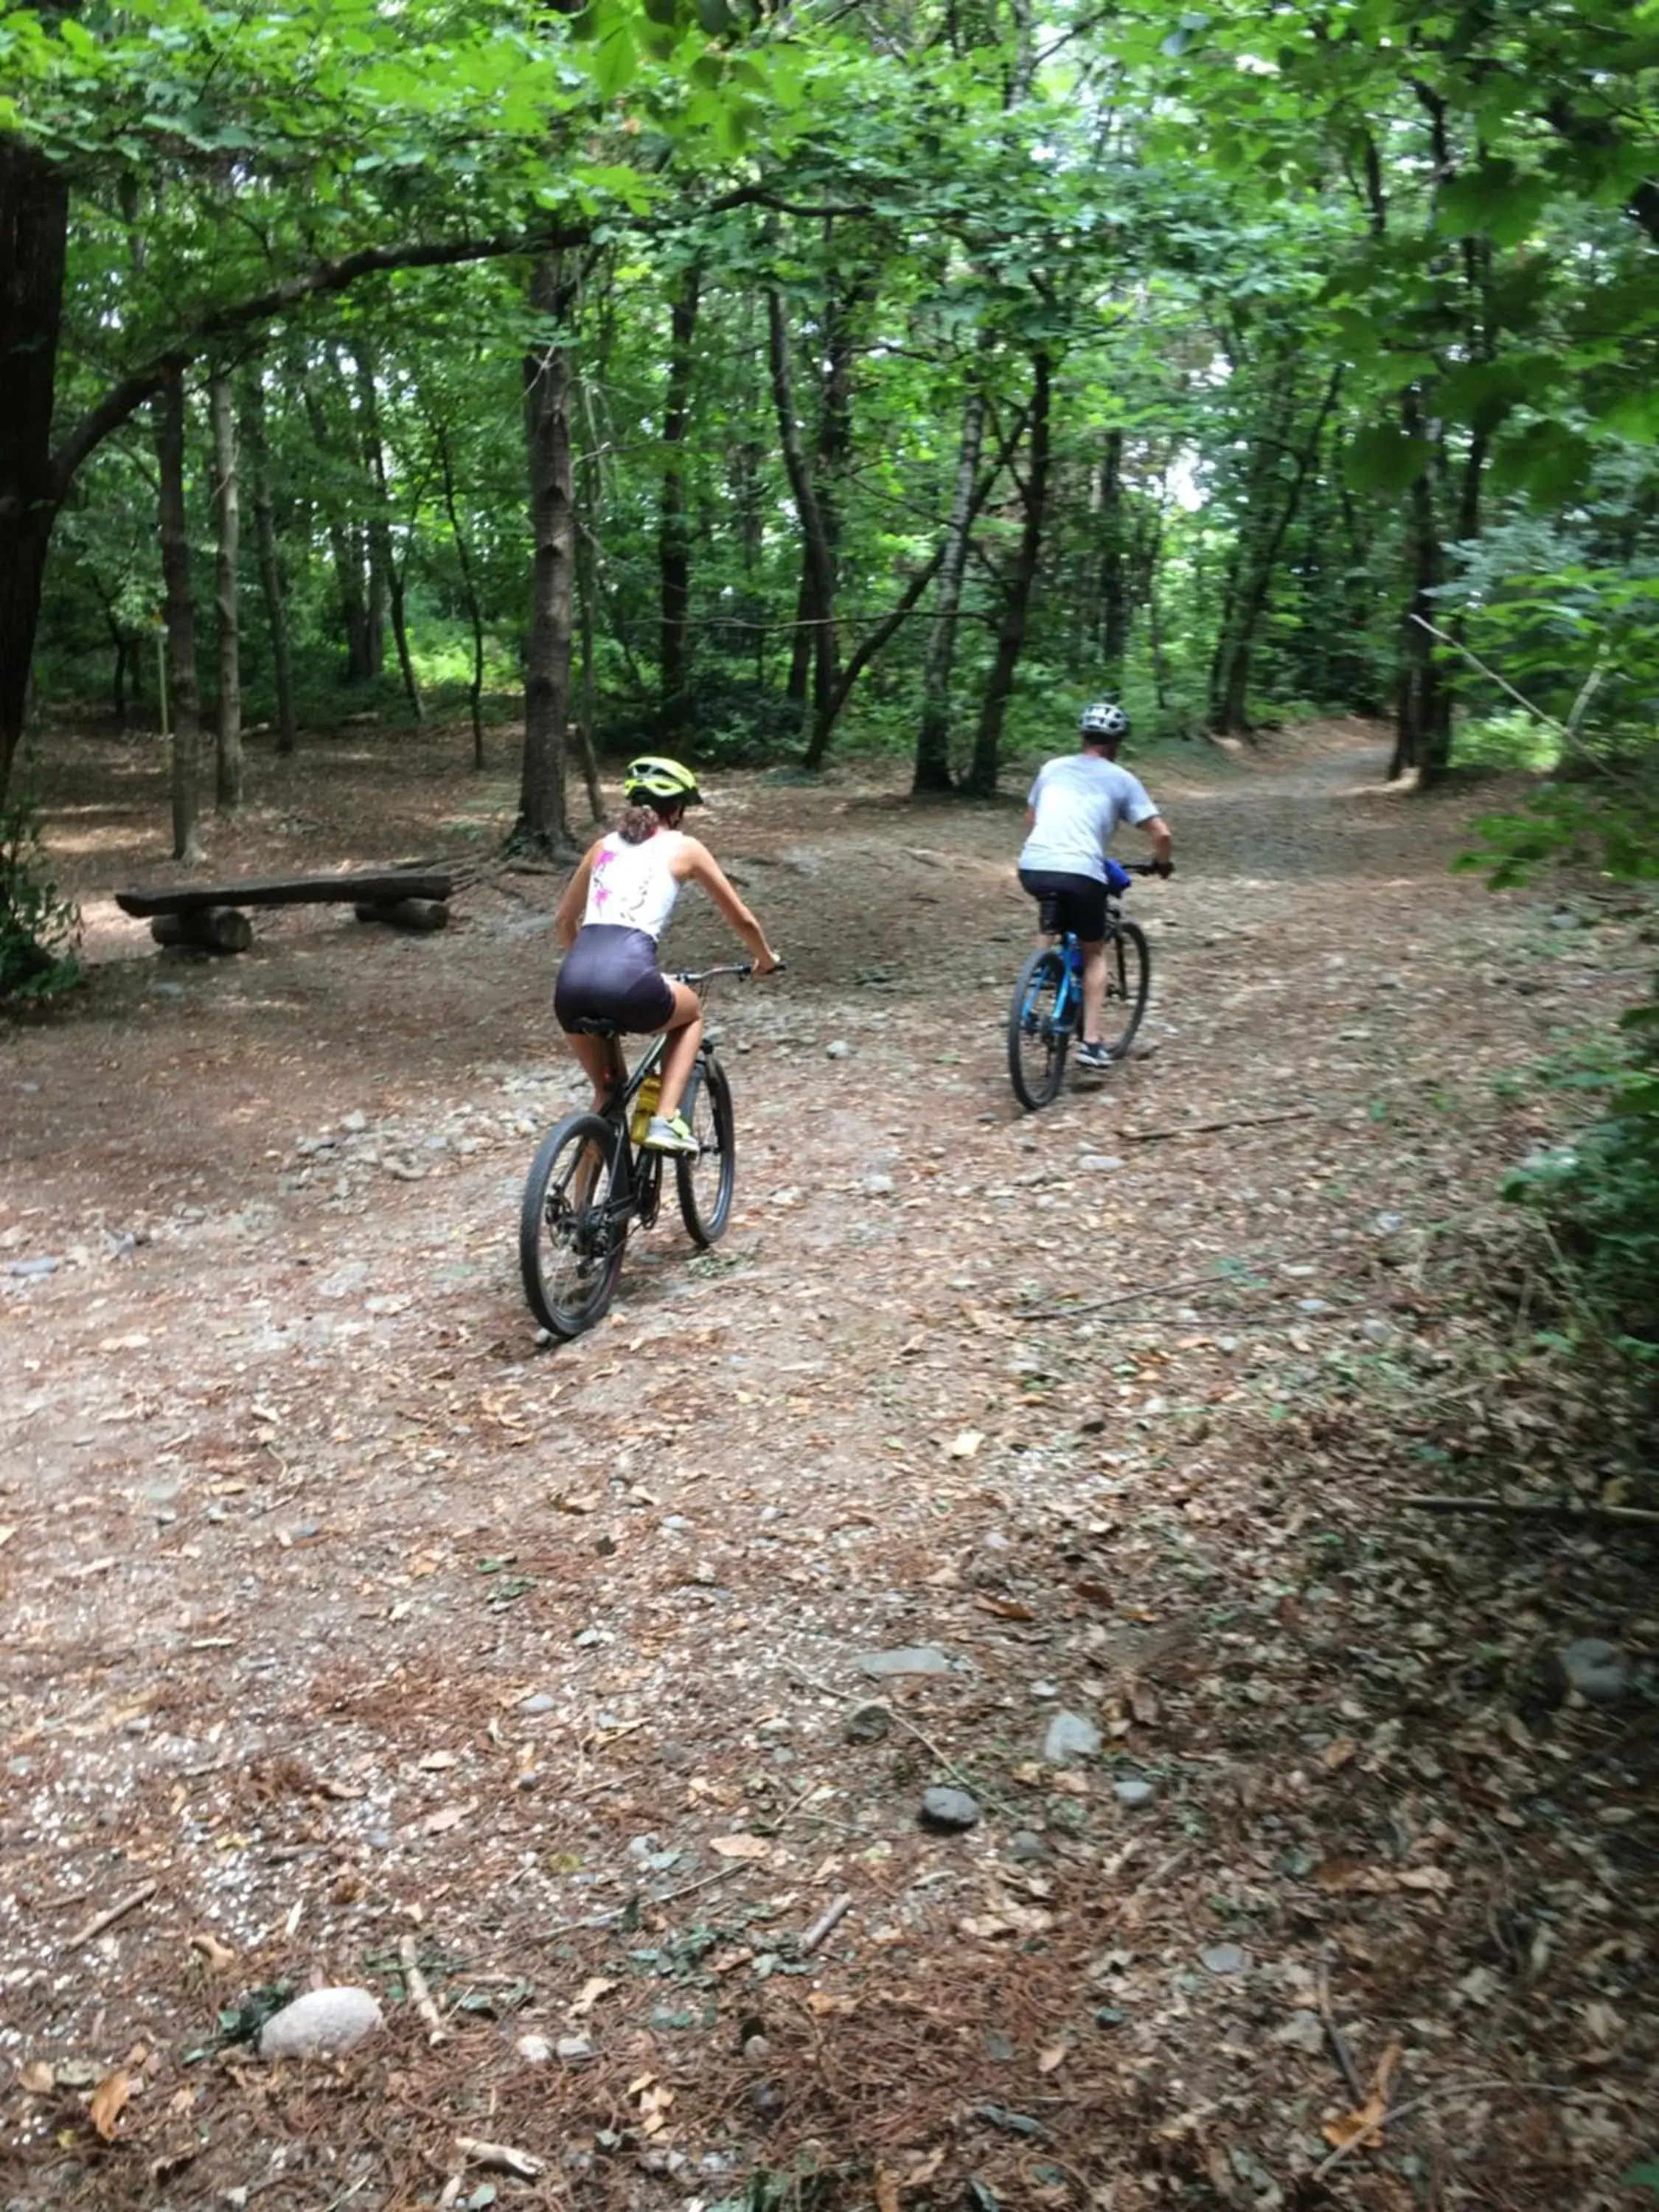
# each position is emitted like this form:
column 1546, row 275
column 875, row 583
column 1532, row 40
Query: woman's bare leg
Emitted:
column 596, row 1055
column 685, row 1031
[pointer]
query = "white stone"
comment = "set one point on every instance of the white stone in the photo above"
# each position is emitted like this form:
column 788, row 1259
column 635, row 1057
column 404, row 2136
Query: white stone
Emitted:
column 323, row 2020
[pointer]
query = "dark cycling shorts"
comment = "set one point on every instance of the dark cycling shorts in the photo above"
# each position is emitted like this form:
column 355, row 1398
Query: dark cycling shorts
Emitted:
column 1066, row 901
column 612, row 974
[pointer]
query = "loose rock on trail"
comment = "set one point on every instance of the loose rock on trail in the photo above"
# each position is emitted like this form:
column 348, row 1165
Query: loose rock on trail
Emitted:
column 337, row 1614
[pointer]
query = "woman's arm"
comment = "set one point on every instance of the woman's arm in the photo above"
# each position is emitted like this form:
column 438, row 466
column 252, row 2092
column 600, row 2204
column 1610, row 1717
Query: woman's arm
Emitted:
column 567, row 918
column 702, row 867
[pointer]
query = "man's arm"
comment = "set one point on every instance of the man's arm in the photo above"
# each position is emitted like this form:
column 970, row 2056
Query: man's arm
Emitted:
column 1157, row 829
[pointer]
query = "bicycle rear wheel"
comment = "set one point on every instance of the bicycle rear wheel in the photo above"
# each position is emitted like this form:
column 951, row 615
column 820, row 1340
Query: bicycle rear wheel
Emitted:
column 573, row 1225
column 706, row 1183
column 1129, row 979
column 1037, row 1042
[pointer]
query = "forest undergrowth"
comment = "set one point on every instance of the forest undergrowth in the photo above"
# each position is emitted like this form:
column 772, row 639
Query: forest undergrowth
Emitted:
column 1064, row 1461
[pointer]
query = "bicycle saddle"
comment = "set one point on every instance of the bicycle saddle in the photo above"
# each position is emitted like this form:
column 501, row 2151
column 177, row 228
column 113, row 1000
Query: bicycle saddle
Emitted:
column 595, row 1025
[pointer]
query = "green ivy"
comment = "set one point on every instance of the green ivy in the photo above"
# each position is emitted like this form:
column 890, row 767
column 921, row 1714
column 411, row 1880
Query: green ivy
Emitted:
column 40, row 931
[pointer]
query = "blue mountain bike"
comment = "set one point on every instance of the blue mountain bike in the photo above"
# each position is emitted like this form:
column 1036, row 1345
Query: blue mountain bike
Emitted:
column 1046, row 1010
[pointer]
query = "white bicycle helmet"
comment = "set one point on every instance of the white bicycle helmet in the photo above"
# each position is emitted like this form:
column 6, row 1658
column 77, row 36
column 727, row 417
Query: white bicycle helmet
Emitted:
column 1104, row 719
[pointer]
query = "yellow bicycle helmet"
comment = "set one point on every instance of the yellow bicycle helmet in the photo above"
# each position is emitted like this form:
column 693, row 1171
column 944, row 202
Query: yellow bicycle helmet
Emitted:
column 653, row 776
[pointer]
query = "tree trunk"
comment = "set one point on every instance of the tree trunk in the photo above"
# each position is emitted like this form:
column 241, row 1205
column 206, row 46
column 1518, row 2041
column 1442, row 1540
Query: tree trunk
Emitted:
column 543, row 821
column 168, row 414
column 344, row 542
column 1114, row 598
column 270, row 572
column 933, row 768
column 464, row 558
column 834, row 446
column 982, row 779
column 228, row 521
column 383, row 562
column 1423, row 716
column 817, row 582
column 587, row 585
column 1254, row 586
column 674, row 543
column 33, row 228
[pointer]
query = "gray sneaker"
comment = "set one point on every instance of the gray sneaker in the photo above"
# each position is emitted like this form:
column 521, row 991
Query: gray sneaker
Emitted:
column 1095, row 1057
column 670, row 1133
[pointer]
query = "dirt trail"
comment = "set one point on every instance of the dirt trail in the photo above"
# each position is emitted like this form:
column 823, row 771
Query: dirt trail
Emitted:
column 337, row 1609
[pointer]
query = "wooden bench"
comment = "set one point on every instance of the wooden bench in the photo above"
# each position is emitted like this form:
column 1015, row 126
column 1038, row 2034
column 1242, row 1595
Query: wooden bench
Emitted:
column 211, row 916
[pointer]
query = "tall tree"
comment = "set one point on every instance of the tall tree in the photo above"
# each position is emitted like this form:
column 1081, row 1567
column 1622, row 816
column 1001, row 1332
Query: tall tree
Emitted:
column 227, row 516
column 543, row 823
column 168, row 419
column 674, row 555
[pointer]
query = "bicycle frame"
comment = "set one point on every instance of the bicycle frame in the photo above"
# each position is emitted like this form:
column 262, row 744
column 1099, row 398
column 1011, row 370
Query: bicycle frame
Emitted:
column 636, row 1186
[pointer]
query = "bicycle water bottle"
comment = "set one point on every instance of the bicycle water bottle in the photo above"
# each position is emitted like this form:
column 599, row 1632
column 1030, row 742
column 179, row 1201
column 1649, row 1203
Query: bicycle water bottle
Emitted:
column 645, row 1105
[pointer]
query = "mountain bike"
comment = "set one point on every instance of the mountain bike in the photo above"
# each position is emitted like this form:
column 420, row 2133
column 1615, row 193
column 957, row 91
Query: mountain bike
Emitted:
column 592, row 1179
column 1046, row 1009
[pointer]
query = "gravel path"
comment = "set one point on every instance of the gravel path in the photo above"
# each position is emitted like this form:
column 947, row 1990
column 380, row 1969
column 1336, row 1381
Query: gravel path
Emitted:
column 340, row 1612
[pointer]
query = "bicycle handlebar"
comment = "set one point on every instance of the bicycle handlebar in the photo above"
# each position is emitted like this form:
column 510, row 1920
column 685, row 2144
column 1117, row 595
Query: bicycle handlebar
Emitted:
column 697, row 977
column 1146, row 868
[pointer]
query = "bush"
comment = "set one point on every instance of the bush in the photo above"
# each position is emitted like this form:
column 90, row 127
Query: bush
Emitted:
column 38, row 931
column 1598, row 1197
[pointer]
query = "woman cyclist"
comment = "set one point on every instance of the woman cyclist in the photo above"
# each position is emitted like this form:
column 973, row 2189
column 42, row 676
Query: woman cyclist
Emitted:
column 614, row 910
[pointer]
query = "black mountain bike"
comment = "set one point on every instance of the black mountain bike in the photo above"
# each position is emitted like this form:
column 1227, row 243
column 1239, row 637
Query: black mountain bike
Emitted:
column 592, row 1179
column 1046, row 1010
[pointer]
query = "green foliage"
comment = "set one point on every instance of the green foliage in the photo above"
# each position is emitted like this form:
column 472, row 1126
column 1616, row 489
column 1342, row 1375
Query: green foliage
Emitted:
column 1512, row 739
column 38, row 931
column 1599, row 1196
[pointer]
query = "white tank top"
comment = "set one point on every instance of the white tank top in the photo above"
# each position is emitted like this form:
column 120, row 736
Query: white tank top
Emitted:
column 634, row 886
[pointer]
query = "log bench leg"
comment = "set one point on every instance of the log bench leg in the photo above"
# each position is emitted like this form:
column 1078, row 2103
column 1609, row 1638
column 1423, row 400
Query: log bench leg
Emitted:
column 407, row 914
column 210, row 929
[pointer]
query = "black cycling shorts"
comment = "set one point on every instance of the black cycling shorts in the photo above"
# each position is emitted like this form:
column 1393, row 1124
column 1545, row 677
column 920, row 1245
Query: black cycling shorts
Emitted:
column 1067, row 902
column 612, row 974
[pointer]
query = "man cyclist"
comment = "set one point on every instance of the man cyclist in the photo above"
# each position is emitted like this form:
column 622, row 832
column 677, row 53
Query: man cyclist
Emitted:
column 1073, row 808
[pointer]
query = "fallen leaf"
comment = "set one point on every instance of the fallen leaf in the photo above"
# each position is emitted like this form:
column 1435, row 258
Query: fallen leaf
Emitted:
column 887, row 2195
column 218, row 1955
column 1364, row 2129
column 924, row 2168
column 447, row 1817
column 573, row 1504
column 38, row 2078
column 436, row 1761
column 1005, row 1608
column 109, row 2101
column 1338, row 1754
column 1143, row 1704
column 964, row 1443
column 741, row 1847
column 1093, row 1593
column 1056, row 2055
column 1431, row 1877
column 1337, row 1875
column 589, row 1995
column 824, row 2004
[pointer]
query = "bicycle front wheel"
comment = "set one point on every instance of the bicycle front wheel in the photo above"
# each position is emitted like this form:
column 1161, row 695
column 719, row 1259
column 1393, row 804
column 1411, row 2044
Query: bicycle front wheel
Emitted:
column 1129, row 979
column 1036, row 1041
column 706, row 1183
column 572, row 1226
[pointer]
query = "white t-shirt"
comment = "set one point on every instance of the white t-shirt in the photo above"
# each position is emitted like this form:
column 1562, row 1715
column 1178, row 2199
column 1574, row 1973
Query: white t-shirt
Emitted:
column 634, row 886
column 1079, row 802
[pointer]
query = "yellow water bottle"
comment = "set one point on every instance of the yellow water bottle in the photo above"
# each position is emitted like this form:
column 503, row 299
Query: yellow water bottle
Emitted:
column 645, row 1105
